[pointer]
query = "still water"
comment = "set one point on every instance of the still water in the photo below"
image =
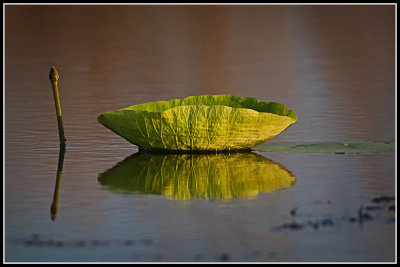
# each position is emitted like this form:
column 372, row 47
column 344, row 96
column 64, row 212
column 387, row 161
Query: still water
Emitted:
column 102, row 201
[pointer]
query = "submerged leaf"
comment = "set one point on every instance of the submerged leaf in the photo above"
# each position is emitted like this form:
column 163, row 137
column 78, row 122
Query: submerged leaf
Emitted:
column 328, row 147
column 188, row 176
column 208, row 122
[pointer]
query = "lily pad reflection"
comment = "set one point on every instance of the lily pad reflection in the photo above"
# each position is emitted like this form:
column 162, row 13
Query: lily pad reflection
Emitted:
column 189, row 176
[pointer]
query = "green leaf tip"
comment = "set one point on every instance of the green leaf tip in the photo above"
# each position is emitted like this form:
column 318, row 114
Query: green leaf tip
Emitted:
column 206, row 122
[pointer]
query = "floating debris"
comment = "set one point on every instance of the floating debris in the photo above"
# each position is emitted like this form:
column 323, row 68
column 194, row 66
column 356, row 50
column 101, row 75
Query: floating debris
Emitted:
column 372, row 208
column 351, row 219
column 327, row 222
column 293, row 212
column 364, row 214
column 383, row 199
column 224, row 257
column 36, row 241
column 289, row 226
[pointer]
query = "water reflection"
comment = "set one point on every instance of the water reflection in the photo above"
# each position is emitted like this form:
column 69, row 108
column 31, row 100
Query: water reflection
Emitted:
column 190, row 176
column 54, row 206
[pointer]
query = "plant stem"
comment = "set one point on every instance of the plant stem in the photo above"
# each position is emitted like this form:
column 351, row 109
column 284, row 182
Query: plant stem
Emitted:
column 54, row 82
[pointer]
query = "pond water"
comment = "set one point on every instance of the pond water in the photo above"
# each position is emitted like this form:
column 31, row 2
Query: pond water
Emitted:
column 102, row 201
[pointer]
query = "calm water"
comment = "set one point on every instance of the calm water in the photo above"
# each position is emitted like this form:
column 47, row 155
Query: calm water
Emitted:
column 333, row 65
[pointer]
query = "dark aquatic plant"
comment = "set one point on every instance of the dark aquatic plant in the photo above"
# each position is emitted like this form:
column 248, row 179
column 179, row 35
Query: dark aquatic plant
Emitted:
column 207, row 122
column 191, row 176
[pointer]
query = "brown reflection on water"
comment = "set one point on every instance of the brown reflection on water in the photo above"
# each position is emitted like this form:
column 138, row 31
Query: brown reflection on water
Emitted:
column 328, row 63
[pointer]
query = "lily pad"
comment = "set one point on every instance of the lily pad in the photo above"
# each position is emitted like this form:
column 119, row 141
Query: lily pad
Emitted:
column 328, row 147
column 191, row 176
column 207, row 122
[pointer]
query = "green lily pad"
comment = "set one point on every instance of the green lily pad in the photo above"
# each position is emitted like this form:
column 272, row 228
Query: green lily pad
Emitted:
column 190, row 176
column 207, row 122
column 329, row 147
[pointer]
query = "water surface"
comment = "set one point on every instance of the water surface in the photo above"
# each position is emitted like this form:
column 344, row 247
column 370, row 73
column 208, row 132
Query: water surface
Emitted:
column 333, row 65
